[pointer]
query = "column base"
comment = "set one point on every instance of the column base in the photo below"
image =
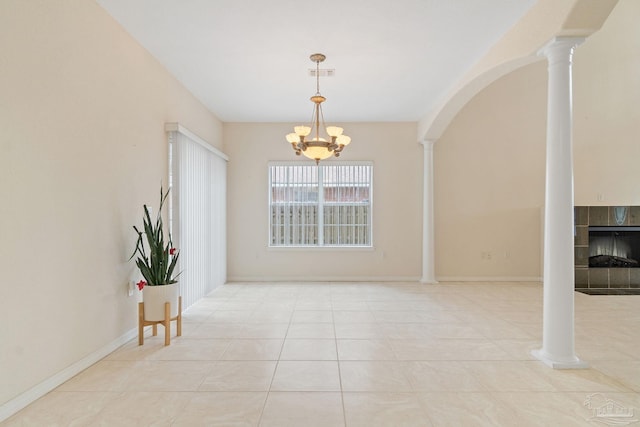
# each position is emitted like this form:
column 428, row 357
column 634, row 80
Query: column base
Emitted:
column 425, row 281
column 555, row 364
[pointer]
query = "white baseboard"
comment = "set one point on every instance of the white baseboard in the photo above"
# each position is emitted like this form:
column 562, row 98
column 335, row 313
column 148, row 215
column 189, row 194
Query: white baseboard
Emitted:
column 17, row 403
column 316, row 279
column 490, row 279
column 404, row 279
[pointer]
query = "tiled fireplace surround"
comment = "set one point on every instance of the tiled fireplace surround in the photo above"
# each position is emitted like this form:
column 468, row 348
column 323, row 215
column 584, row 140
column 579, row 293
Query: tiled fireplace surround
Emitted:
column 602, row 280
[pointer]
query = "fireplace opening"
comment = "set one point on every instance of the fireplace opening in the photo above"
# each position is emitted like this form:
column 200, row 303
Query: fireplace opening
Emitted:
column 614, row 247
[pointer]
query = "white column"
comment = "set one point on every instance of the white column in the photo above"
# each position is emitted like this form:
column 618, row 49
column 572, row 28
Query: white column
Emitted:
column 428, row 247
column 558, row 350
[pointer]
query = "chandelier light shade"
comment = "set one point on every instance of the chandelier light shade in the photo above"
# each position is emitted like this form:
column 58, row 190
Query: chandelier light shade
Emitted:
column 317, row 147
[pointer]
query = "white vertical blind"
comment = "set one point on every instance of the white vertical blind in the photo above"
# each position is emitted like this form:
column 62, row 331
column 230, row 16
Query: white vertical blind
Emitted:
column 320, row 205
column 347, row 202
column 198, row 213
column 294, row 205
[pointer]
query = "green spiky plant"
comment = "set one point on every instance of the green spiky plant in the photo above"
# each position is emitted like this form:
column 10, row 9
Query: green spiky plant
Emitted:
column 157, row 267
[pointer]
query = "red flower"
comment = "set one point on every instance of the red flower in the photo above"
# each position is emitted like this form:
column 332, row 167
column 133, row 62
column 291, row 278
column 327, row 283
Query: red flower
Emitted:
column 172, row 251
column 141, row 284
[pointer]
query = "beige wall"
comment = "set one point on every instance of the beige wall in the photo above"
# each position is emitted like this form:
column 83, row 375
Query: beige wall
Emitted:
column 490, row 165
column 397, row 206
column 607, row 112
column 82, row 148
column 489, row 182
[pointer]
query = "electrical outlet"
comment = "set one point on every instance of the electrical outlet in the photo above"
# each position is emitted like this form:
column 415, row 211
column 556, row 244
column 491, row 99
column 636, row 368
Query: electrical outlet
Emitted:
column 130, row 288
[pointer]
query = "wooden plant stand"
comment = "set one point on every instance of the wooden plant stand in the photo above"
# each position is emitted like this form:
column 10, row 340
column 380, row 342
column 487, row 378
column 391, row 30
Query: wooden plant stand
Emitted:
column 165, row 322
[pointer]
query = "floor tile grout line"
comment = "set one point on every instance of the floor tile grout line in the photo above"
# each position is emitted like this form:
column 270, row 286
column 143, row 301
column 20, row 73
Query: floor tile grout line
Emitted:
column 335, row 335
column 275, row 369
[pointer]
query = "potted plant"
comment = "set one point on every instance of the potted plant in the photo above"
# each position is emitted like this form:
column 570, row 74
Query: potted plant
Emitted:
column 156, row 260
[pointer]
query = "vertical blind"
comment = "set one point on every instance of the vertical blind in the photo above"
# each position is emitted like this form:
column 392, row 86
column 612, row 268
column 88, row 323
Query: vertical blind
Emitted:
column 320, row 205
column 198, row 213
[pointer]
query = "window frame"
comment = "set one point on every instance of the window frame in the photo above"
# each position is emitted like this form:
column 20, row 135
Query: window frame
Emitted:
column 321, row 245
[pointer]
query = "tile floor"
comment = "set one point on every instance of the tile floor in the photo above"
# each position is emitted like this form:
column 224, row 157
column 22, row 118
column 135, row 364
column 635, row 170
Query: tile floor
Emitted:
column 360, row 355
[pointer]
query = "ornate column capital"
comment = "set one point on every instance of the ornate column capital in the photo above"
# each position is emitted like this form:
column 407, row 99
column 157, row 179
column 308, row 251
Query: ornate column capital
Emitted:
column 561, row 47
column 428, row 143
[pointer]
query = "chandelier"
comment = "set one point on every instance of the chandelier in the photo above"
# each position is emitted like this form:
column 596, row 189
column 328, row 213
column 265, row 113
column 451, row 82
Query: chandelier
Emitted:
column 317, row 147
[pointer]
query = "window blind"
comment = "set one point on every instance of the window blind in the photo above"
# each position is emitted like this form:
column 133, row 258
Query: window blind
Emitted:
column 198, row 213
column 320, row 205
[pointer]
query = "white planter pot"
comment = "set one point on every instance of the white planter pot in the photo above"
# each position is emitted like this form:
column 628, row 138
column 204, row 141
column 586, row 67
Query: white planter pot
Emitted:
column 155, row 297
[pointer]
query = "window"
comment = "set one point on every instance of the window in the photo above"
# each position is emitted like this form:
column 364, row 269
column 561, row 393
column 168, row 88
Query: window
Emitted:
column 324, row 205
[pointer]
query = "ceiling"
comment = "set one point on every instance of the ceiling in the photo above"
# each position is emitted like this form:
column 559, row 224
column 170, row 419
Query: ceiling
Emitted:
column 248, row 60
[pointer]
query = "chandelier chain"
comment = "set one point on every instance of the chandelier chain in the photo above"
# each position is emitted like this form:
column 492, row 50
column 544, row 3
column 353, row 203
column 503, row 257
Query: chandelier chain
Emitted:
column 317, row 77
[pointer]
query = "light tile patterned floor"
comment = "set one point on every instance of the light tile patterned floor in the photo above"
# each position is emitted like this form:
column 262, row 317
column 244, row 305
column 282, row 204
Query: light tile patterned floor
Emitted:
column 359, row 355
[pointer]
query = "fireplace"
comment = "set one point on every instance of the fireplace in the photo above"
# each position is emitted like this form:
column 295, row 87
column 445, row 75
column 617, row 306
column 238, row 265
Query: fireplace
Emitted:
column 614, row 247
column 607, row 249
